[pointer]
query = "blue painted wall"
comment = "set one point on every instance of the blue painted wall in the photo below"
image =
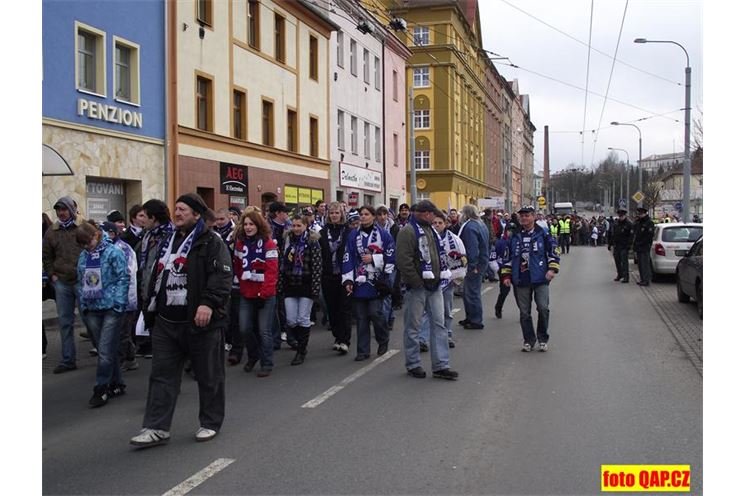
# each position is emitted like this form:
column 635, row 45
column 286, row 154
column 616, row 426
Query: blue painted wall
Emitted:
column 138, row 21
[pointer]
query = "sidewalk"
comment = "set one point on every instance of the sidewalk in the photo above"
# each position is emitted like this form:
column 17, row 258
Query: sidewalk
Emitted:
column 681, row 319
column 54, row 345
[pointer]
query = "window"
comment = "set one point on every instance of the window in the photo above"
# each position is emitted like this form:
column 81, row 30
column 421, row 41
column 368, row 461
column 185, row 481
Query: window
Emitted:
column 365, row 65
column 421, row 77
column 267, row 123
column 313, row 137
column 421, row 160
column 377, row 144
column 354, row 134
column 91, row 60
column 422, row 195
column 395, row 149
column 204, row 103
column 369, row 199
column 279, row 38
column 239, row 114
column 204, row 12
column 421, row 119
column 340, row 129
column 395, row 86
column 421, row 35
column 253, row 23
column 366, row 140
column 126, row 71
column 353, row 57
column 340, row 49
column 291, row 131
column 313, row 53
column 377, row 73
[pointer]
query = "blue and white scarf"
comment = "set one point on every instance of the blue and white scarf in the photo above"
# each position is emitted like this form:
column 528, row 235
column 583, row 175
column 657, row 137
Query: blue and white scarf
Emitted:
column 374, row 247
column 296, row 251
column 175, row 265
column 455, row 255
column 92, row 278
column 69, row 223
column 156, row 235
column 423, row 244
column 334, row 243
column 252, row 255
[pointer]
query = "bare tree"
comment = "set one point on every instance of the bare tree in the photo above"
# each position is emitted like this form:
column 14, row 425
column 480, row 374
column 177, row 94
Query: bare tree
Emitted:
column 698, row 130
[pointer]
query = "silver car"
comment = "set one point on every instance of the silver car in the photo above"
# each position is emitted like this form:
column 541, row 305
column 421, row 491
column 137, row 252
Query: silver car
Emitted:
column 671, row 243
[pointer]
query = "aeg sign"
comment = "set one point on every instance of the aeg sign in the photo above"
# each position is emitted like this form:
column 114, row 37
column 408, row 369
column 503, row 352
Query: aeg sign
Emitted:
column 233, row 178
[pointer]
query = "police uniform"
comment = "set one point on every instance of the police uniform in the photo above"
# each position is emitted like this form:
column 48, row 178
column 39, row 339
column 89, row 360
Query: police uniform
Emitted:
column 620, row 241
column 643, row 236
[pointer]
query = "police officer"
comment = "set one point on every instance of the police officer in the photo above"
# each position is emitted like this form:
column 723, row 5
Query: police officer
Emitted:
column 565, row 231
column 643, row 235
column 619, row 241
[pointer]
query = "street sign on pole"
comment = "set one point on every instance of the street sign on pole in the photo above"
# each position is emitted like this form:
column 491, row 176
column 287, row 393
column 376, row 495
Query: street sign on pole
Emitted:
column 541, row 201
column 638, row 197
column 679, row 206
column 622, row 203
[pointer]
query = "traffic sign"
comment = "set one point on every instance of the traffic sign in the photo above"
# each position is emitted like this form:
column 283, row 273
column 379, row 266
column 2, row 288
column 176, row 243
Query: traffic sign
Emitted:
column 622, row 203
column 638, row 197
column 541, row 201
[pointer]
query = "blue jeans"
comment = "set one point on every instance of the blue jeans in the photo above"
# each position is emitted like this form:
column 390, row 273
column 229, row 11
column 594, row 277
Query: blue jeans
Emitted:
column 297, row 312
column 370, row 311
column 388, row 303
column 472, row 298
column 66, row 298
column 256, row 328
column 104, row 327
column 447, row 303
column 416, row 303
column 524, row 296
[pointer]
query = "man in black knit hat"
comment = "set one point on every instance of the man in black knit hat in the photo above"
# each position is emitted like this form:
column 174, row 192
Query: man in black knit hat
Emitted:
column 187, row 299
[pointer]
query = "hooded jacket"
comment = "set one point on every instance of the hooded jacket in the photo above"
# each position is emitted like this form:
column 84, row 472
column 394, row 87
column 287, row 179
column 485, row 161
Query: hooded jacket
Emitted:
column 60, row 252
column 114, row 279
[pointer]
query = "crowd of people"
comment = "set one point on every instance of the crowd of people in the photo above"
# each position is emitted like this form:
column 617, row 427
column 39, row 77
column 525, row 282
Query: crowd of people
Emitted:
column 195, row 290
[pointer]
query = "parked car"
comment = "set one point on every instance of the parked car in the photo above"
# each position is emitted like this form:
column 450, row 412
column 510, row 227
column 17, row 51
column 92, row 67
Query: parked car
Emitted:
column 671, row 242
column 690, row 275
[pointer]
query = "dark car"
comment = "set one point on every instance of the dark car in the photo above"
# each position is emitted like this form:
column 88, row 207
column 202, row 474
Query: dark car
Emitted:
column 690, row 275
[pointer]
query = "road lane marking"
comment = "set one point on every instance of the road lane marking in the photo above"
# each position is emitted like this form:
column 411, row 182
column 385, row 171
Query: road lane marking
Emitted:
column 488, row 288
column 348, row 380
column 199, row 477
column 455, row 310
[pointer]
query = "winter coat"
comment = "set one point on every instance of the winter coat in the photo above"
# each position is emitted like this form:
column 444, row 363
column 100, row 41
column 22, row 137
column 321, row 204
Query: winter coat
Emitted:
column 475, row 237
column 256, row 266
column 307, row 285
column 131, row 256
column 209, row 277
column 622, row 234
column 114, row 279
column 377, row 274
column 643, row 234
column 409, row 259
column 60, row 252
column 328, row 268
column 543, row 256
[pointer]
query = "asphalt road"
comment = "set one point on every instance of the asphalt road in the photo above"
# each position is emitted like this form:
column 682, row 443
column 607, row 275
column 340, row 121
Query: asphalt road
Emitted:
column 615, row 387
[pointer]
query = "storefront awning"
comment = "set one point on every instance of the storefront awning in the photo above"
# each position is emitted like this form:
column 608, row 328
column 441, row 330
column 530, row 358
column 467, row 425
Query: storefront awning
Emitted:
column 52, row 163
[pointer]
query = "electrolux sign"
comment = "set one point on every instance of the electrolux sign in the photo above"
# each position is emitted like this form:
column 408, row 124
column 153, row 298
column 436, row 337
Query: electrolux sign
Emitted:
column 357, row 177
column 233, row 178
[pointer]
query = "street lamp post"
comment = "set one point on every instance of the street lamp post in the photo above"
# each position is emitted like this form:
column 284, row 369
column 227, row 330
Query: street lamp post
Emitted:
column 628, row 174
column 687, row 137
column 614, row 123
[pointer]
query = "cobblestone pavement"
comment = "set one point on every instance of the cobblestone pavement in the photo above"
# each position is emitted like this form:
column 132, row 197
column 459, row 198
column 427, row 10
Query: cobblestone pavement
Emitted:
column 681, row 318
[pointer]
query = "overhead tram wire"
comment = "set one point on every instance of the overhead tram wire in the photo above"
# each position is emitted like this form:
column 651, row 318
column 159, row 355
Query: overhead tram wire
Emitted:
column 627, row 122
column 583, row 43
column 587, row 82
column 610, row 78
column 579, row 88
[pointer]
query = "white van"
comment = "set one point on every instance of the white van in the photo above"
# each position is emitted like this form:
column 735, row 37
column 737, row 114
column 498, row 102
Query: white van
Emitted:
column 563, row 208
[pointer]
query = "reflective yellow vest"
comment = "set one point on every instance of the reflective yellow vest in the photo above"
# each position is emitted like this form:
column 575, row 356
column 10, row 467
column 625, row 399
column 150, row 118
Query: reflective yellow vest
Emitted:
column 565, row 225
column 554, row 230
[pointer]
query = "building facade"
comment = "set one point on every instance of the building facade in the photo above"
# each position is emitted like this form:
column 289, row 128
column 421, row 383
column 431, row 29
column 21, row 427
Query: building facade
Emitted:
column 356, row 73
column 447, row 75
column 103, row 103
column 252, row 101
column 653, row 163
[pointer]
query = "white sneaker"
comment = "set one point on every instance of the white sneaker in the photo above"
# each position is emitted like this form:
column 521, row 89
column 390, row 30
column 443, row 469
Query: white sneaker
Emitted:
column 283, row 336
column 344, row 348
column 204, row 434
column 542, row 346
column 335, row 347
column 150, row 437
column 527, row 347
column 228, row 346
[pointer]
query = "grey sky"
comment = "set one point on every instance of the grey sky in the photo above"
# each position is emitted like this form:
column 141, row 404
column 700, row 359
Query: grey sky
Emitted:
column 536, row 47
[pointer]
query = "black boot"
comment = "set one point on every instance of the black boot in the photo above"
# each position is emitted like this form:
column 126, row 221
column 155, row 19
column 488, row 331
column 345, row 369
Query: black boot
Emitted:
column 302, row 334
